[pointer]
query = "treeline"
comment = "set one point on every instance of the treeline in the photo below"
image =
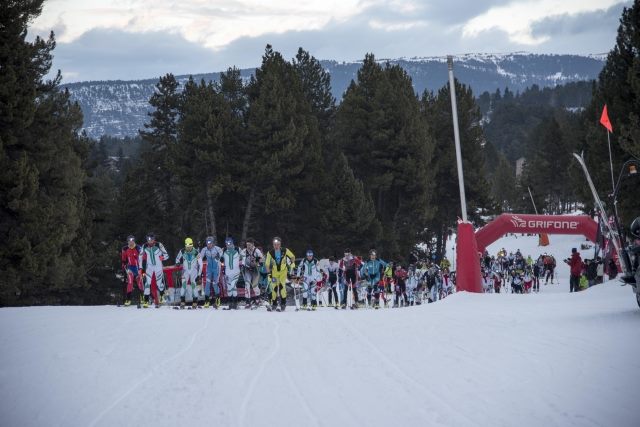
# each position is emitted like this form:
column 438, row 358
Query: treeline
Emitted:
column 276, row 155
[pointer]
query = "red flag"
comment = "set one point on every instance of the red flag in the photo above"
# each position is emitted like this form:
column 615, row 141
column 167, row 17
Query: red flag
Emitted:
column 604, row 119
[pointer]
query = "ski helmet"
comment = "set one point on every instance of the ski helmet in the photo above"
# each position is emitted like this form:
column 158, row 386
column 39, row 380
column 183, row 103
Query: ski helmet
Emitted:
column 634, row 228
column 188, row 242
column 210, row 240
column 228, row 241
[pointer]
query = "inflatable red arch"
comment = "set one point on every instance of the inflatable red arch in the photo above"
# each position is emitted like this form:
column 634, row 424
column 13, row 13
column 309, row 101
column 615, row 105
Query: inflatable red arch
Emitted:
column 469, row 244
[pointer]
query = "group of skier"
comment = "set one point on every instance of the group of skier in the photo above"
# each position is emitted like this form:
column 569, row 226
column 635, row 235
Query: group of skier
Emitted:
column 210, row 277
column 524, row 275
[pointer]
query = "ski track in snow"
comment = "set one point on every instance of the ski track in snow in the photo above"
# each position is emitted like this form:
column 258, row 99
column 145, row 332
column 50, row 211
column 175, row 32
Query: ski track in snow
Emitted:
column 151, row 373
column 252, row 385
column 393, row 367
column 300, row 397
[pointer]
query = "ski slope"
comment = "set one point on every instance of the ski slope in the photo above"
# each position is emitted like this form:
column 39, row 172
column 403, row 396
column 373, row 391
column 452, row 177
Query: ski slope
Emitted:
column 548, row 359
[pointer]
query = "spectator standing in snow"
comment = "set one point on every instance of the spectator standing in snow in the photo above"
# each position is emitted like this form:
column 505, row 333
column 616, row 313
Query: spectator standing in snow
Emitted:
column 599, row 270
column 613, row 269
column 591, row 271
column 575, row 264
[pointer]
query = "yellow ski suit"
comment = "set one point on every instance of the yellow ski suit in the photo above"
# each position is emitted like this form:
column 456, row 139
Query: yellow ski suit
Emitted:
column 277, row 272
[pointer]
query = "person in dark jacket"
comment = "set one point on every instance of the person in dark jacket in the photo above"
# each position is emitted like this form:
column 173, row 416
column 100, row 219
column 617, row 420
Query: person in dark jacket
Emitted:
column 613, row 269
column 575, row 264
column 592, row 271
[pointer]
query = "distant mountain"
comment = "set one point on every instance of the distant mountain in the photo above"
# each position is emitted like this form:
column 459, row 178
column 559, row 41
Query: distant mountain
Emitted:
column 119, row 108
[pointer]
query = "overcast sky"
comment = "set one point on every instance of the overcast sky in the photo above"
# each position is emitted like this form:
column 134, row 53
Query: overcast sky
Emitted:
column 133, row 39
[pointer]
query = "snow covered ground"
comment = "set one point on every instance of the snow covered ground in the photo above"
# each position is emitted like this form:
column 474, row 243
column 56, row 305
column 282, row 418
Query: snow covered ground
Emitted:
column 548, row 359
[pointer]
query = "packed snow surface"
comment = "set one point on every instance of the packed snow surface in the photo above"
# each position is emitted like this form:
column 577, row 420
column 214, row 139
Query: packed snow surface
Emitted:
column 547, row 359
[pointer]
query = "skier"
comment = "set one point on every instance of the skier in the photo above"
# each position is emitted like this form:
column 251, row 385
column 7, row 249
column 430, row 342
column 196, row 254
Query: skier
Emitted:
column 211, row 254
column 536, row 275
column 332, row 273
column 279, row 263
column 253, row 258
column 151, row 257
column 527, row 279
column 130, row 257
column 349, row 265
column 232, row 260
column 191, row 263
column 486, row 282
column 401, row 286
column 516, row 282
column 371, row 271
column 447, row 284
column 412, row 284
column 310, row 275
column 497, row 281
column 388, row 277
column 549, row 266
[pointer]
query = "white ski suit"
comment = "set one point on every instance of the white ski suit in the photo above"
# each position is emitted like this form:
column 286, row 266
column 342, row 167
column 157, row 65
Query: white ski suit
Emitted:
column 232, row 260
column 308, row 271
column 151, row 258
column 251, row 261
column 191, row 271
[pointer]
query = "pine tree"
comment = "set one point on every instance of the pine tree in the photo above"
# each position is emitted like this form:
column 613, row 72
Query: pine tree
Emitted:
column 618, row 87
column 157, row 184
column 546, row 171
column 387, row 142
column 503, row 185
column 349, row 218
column 42, row 204
column 201, row 162
column 285, row 138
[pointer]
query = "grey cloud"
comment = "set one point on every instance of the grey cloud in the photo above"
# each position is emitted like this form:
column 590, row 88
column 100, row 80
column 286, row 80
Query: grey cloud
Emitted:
column 447, row 12
column 114, row 54
column 581, row 23
column 102, row 54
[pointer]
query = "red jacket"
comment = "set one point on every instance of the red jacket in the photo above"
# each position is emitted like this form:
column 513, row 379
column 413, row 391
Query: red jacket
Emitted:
column 576, row 264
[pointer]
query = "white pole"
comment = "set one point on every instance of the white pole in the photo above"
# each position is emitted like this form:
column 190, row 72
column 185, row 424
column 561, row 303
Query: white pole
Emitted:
column 613, row 185
column 534, row 203
column 456, row 134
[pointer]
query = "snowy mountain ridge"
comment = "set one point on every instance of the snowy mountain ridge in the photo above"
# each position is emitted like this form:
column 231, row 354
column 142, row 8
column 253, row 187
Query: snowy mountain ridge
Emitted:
column 119, row 108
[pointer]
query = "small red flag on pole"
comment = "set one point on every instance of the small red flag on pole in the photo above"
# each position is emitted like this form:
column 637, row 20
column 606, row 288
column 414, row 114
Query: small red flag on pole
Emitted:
column 604, row 119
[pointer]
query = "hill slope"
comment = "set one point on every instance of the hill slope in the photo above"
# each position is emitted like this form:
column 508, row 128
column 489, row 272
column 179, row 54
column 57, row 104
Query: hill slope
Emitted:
column 119, row 108
column 554, row 359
